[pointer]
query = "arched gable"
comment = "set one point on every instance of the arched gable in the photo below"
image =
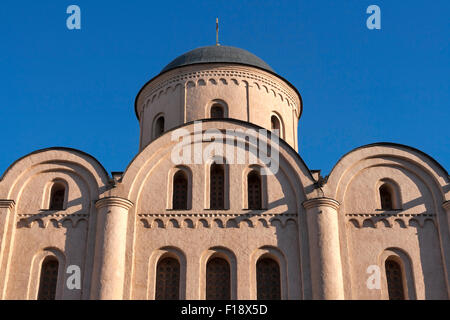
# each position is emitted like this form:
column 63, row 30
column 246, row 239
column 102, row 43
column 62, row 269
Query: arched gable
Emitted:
column 141, row 166
column 420, row 185
column 387, row 153
column 27, row 182
column 61, row 158
column 144, row 182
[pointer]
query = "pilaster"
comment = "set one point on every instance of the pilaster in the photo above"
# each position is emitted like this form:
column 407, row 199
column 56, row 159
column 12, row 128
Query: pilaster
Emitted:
column 323, row 234
column 109, row 265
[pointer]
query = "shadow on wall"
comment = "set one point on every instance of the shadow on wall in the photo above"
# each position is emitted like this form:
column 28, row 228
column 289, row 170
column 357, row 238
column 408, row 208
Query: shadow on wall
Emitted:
column 47, row 226
column 297, row 283
column 294, row 270
column 431, row 258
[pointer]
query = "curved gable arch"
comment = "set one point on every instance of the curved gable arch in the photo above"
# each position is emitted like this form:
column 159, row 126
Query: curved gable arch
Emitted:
column 350, row 164
column 424, row 187
column 52, row 159
column 144, row 163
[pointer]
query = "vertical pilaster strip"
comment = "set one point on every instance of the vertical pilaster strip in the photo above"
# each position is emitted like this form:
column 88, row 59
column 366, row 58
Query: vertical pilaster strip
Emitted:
column 6, row 210
column 323, row 235
column 247, row 95
column 446, row 206
column 109, row 265
column 141, row 125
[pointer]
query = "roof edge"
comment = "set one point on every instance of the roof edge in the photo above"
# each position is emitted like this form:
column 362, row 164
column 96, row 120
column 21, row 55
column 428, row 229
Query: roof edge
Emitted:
column 54, row 149
column 391, row 144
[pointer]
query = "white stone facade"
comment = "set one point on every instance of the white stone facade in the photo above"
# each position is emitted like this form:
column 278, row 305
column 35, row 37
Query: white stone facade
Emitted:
column 323, row 233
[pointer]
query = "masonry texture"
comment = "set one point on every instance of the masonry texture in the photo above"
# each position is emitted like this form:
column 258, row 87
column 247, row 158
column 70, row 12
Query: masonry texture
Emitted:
column 377, row 227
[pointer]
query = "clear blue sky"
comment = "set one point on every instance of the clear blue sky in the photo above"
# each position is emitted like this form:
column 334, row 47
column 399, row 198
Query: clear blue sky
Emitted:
column 77, row 88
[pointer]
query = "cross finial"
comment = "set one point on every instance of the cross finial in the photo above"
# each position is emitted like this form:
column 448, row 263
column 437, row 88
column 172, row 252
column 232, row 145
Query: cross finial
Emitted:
column 217, row 32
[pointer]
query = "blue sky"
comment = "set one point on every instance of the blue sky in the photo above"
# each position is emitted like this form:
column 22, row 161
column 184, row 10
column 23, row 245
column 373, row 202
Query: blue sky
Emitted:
column 76, row 88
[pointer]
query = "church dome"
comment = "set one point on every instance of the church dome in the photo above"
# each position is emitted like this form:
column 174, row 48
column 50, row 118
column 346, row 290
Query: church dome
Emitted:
column 218, row 54
column 215, row 82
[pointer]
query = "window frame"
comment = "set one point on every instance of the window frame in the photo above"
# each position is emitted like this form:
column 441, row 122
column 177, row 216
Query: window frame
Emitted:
column 217, row 102
column 409, row 273
column 395, row 193
column 36, row 267
column 207, row 183
column 275, row 115
column 263, row 179
column 170, row 189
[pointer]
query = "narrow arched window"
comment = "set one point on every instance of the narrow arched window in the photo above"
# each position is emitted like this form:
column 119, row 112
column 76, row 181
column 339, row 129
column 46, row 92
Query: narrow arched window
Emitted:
column 386, row 197
column 394, row 279
column 218, row 279
column 268, row 279
column 275, row 124
column 180, row 191
column 57, row 197
column 217, row 187
column 254, row 190
column 159, row 127
column 48, row 280
column 168, row 279
column 217, row 111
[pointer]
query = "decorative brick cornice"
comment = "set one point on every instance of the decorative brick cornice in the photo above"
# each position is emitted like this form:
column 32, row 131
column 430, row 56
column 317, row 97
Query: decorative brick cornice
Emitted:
column 388, row 215
column 9, row 204
column 56, row 220
column 216, row 220
column 213, row 215
column 321, row 202
column 233, row 74
column 113, row 202
column 390, row 220
column 446, row 205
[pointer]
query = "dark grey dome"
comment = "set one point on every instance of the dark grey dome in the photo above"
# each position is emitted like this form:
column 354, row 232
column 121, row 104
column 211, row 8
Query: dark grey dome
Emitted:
column 220, row 54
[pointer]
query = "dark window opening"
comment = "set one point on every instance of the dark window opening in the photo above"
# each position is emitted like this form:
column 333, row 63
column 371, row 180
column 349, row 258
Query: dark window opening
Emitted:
column 254, row 190
column 49, row 278
column 386, row 198
column 218, row 280
column 168, row 279
column 268, row 279
column 57, row 197
column 217, row 111
column 180, row 191
column 394, row 280
column 159, row 127
column 217, row 187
